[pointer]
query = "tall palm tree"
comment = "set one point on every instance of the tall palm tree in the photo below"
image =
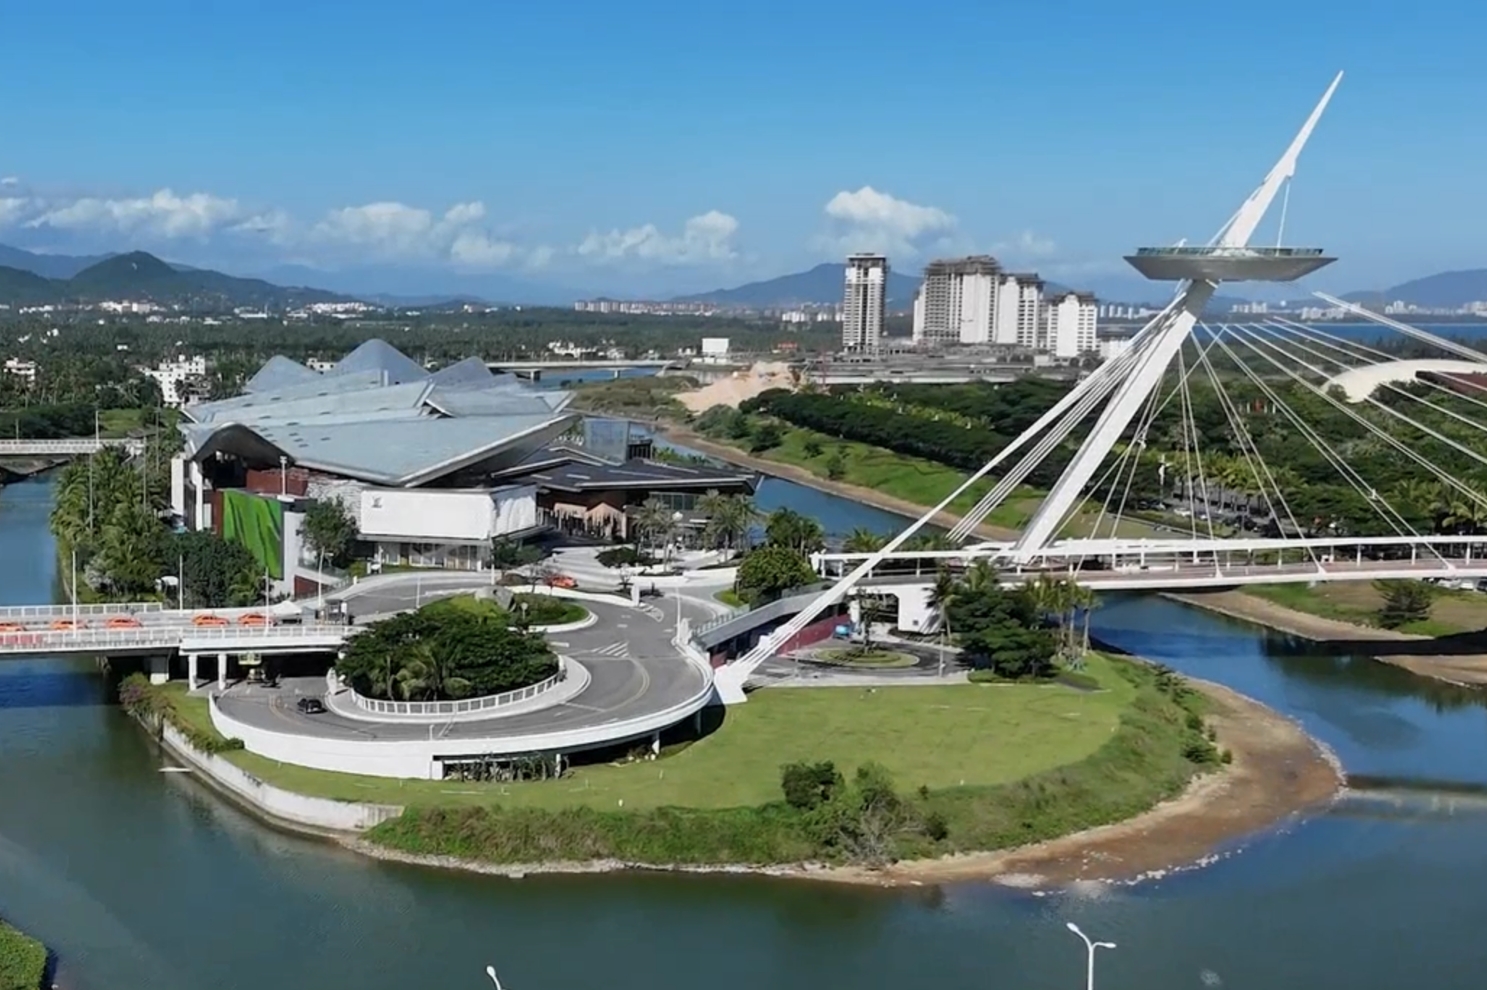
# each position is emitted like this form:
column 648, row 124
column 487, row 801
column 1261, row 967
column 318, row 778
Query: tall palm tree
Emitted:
column 653, row 523
column 1088, row 601
column 942, row 596
column 729, row 519
column 788, row 528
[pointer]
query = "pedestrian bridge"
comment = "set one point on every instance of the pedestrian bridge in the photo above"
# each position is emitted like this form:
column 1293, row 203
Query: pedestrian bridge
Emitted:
column 150, row 628
column 72, row 447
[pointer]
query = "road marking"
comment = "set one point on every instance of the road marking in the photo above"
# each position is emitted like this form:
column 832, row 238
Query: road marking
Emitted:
column 620, row 649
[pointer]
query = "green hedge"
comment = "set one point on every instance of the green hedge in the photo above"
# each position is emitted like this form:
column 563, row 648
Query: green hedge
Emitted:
column 22, row 960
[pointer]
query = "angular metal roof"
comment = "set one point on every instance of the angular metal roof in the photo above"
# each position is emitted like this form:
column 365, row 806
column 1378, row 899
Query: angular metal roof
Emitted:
column 280, row 372
column 471, row 372
column 378, row 355
column 380, row 418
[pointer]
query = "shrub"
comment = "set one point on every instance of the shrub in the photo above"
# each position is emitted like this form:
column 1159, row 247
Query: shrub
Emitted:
column 1404, row 602
column 812, row 447
column 807, row 785
column 625, row 557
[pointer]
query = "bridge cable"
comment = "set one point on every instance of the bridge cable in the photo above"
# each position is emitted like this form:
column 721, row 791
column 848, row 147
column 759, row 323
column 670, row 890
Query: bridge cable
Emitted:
column 1398, row 444
column 1398, row 521
column 1251, row 453
column 1393, row 386
column 1316, row 440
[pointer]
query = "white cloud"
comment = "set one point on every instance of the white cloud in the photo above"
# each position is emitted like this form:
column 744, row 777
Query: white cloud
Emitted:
column 704, row 238
column 163, row 214
column 10, row 180
column 1026, row 245
column 869, row 220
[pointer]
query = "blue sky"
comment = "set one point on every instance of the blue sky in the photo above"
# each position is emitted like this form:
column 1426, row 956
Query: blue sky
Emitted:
column 655, row 146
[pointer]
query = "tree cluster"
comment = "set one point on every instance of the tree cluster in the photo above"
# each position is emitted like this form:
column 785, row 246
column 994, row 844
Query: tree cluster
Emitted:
column 109, row 511
column 443, row 652
column 864, row 820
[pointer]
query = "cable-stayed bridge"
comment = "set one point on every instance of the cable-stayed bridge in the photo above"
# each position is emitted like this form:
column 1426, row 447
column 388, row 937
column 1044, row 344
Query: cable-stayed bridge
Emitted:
column 1274, row 394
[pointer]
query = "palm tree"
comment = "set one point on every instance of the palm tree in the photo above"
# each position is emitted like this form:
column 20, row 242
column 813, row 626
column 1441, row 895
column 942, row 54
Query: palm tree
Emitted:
column 942, row 596
column 788, row 528
column 1088, row 601
column 653, row 523
column 729, row 519
column 981, row 576
column 863, row 540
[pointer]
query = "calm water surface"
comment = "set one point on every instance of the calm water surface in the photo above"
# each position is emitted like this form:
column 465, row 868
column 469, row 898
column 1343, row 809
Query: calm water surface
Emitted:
column 141, row 881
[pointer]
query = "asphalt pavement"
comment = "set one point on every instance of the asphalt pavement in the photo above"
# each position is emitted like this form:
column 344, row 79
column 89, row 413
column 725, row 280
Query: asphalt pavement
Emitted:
column 634, row 669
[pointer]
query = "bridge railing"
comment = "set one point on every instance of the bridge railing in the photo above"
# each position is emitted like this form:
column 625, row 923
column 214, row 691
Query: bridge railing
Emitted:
column 187, row 639
column 17, row 612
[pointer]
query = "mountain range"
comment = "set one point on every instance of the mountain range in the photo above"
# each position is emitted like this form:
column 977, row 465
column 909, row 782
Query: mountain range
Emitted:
column 821, row 285
column 38, row 279
column 28, row 278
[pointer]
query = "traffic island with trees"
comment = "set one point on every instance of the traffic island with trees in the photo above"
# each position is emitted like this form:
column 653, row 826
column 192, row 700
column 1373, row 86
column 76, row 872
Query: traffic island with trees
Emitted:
column 449, row 650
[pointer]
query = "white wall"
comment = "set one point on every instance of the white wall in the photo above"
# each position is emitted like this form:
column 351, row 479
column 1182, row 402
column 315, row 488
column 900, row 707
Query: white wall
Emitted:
column 714, row 346
column 290, row 807
column 915, row 613
column 515, row 510
column 427, row 516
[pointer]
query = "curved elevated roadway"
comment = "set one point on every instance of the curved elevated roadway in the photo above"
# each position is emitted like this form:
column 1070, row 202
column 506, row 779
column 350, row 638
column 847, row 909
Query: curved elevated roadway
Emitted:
column 635, row 673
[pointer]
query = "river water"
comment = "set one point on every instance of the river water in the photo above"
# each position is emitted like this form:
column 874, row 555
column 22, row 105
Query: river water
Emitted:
column 142, row 881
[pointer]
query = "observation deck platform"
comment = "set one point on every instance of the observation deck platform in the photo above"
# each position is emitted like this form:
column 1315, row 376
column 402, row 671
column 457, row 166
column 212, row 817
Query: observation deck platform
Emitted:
column 1227, row 264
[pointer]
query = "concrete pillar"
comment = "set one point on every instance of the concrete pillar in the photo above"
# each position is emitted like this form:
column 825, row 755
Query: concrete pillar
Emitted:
column 159, row 669
column 222, row 672
column 192, row 681
column 655, row 745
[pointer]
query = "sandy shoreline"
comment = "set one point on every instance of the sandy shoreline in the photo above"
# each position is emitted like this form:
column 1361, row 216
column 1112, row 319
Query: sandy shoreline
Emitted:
column 857, row 493
column 1278, row 774
column 1466, row 670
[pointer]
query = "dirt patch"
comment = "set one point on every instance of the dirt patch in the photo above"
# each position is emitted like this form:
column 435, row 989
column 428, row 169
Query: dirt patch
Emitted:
column 857, row 493
column 1462, row 669
column 742, row 385
column 1278, row 772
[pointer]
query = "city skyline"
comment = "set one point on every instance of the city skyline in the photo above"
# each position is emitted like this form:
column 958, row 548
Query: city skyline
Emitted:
column 632, row 151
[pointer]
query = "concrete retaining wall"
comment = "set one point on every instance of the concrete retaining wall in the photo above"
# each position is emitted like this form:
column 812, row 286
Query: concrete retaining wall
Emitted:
column 296, row 809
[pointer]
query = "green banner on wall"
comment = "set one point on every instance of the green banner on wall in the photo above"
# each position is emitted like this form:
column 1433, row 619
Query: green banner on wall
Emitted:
column 258, row 524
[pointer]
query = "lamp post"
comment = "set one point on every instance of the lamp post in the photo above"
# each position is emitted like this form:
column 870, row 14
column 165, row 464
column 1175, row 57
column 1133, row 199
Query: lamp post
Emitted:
column 490, row 971
column 1089, row 980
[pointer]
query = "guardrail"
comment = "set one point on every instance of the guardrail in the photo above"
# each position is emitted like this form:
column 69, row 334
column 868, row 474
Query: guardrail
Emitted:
column 80, row 610
column 188, row 639
column 465, row 706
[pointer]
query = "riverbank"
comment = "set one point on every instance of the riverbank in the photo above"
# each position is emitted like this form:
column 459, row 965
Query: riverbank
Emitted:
column 23, row 960
column 857, row 493
column 1465, row 664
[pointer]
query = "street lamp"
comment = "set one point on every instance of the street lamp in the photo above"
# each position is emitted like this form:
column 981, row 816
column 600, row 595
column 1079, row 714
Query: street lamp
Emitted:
column 1089, row 981
column 490, row 971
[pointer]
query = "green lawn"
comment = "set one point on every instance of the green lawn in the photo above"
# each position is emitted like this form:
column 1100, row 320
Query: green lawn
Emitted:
column 1358, row 602
column 942, row 736
column 730, row 597
column 22, row 960
column 926, row 483
column 121, row 422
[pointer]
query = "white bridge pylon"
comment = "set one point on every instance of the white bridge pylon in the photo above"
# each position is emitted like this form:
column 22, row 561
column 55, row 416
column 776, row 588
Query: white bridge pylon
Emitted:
column 1126, row 381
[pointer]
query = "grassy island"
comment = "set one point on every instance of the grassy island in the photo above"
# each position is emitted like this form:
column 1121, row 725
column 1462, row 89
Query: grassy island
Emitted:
column 22, row 960
column 898, row 773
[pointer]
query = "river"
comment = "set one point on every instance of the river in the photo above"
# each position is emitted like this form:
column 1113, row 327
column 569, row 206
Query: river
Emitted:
column 142, row 881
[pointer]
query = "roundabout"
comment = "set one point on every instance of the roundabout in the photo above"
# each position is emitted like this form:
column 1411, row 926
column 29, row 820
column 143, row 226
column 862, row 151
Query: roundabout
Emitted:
column 624, row 679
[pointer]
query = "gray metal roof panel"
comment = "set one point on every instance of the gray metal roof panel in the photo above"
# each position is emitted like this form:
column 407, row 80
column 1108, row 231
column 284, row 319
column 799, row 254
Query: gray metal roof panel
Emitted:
column 280, row 372
column 410, row 452
column 380, row 356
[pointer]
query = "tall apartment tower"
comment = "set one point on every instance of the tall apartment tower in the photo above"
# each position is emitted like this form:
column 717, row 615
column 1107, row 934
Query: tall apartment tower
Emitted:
column 957, row 302
column 1072, row 323
column 862, row 306
column 1019, row 306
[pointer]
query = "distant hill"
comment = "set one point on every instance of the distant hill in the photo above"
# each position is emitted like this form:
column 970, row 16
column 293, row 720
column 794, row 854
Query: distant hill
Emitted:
column 1446, row 290
column 821, row 285
column 138, row 276
column 47, row 265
